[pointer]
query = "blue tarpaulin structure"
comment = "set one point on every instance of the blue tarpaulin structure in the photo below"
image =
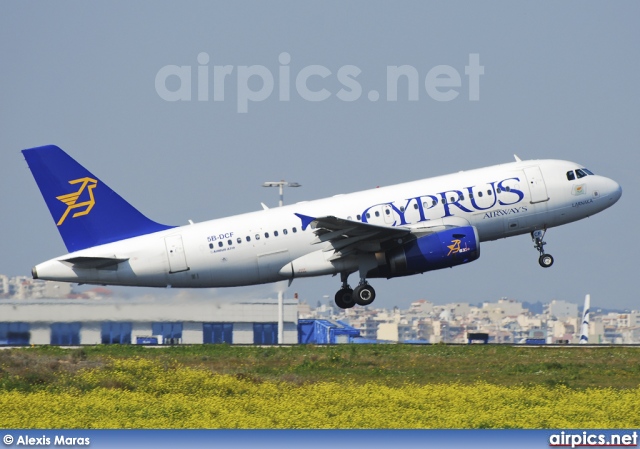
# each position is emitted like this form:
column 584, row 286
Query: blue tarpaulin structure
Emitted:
column 325, row 332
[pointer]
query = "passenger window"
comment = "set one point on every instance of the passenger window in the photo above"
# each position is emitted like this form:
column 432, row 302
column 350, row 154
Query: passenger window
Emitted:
column 368, row 215
column 266, row 235
column 480, row 194
column 229, row 242
column 285, row 232
column 444, row 201
column 571, row 175
column 377, row 214
column 211, row 245
column 580, row 173
column 489, row 192
column 220, row 244
column 508, row 189
column 462, row 197
column 415, row 206
column 248, row 239
column 498, row 190
column 275, row 233
column 453, row 200
column 401, row 208
column 257, row 236
column 359, row 217
column 294, row 229
column 239, row 240
column 471, row 195
column 386, row 211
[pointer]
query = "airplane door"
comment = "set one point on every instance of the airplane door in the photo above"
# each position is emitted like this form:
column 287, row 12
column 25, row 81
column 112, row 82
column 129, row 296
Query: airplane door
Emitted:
column 537, row 187
column 175, row 253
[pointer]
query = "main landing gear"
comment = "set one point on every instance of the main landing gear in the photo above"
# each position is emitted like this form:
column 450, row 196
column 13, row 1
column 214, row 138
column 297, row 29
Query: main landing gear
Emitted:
column 363, row 294
column 545, row 260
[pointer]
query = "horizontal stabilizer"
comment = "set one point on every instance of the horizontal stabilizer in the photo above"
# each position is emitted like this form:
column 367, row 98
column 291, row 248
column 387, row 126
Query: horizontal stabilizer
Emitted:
column 94, row 262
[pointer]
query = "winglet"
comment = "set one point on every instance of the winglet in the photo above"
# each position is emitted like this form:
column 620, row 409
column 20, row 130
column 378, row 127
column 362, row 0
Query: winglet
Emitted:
column 306, row 220
column 517, row 158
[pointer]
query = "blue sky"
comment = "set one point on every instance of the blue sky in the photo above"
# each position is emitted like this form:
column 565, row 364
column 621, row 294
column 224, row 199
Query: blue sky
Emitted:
column 560, row 81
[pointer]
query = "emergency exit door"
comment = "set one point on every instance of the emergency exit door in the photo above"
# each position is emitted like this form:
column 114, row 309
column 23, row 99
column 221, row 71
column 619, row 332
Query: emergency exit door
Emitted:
column 175, row 253
column 537, row 187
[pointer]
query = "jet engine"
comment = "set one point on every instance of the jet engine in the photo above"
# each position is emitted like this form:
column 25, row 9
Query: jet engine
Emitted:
column 442, row 249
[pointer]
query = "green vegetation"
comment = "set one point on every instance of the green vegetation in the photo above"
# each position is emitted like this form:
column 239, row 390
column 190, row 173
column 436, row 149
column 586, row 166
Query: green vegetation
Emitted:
column 347, row 386
column 31, row 369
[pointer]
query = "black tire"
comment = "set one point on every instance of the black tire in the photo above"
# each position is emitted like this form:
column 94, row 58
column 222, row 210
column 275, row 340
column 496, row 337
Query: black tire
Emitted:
column 546, row 260
column 363, row 295
column 344, row 298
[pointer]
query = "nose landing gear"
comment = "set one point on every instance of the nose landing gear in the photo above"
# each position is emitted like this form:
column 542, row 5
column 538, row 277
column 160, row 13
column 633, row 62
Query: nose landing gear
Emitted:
column 545, row 260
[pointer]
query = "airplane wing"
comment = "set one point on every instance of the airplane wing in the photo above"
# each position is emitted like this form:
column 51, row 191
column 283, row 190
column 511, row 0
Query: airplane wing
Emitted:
column 345, row 237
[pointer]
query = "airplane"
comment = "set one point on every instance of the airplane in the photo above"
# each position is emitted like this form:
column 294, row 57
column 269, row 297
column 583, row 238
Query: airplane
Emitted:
column 584, row 327
column 386, row 232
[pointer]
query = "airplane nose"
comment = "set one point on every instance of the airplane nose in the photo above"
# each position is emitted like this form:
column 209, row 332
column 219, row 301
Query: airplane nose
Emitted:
column 612, row 190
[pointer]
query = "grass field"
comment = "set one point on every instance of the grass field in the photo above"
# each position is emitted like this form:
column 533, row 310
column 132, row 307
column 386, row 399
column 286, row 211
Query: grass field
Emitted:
column 344, row 386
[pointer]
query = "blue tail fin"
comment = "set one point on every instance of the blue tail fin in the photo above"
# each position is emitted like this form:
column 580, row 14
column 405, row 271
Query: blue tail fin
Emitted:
column 86, row 211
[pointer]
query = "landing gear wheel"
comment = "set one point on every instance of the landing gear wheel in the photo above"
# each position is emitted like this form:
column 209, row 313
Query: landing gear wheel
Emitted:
column 364, row 294
column 344, row 298
column 546, row 260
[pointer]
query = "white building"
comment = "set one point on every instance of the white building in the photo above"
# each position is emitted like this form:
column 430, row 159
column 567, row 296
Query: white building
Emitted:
column 562, row 309
column 503, row 308
column 421, row 307
column 398, row 331
column 22, row 287
column 188, row 321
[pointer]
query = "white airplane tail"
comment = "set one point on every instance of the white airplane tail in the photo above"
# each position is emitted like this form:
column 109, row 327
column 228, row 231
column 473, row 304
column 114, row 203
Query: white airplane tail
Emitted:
column 584, row 328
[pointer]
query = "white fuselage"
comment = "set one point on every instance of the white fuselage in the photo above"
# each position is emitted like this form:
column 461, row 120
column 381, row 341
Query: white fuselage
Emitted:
column 253, row 248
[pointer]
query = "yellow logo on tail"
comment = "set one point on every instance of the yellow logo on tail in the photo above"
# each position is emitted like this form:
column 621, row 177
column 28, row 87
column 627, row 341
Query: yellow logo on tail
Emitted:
column 70, row 198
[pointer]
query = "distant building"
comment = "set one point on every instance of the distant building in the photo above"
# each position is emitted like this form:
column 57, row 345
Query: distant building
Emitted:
column 396, row 331
column 107, row 321
column 57, row 313
column 503, row 308
column 365, row 321
column 421, row 307
column 562, row 309
column 22, row 287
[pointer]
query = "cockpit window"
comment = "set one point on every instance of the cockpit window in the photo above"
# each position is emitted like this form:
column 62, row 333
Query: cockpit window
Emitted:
column 580, row 173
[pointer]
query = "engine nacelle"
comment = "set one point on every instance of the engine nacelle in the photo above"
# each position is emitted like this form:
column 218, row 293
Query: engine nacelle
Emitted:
column 444, row 249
